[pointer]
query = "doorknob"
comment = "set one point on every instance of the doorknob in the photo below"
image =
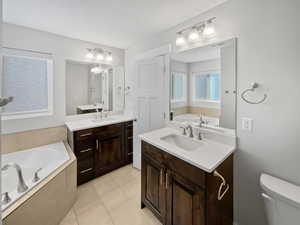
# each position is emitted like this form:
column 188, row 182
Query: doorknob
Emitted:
column 5, row 101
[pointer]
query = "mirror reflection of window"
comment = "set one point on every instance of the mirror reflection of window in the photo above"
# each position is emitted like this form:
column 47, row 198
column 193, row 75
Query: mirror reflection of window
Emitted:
column 207, row 86
column 178, row 91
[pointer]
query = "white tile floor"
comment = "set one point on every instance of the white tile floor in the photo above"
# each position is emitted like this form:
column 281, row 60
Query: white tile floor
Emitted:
column 113, row 199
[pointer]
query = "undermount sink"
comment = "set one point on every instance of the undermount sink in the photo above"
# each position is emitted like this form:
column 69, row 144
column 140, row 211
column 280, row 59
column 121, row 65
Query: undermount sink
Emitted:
column 182, row 142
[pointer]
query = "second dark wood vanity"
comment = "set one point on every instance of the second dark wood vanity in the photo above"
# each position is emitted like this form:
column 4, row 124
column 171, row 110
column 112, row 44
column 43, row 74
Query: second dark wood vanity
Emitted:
column 102, row 149
column 179, row 193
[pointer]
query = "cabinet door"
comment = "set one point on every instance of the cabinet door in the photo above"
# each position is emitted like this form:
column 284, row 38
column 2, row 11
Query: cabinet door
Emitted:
column 109, row 154
column 153, row 189
column 185, row 201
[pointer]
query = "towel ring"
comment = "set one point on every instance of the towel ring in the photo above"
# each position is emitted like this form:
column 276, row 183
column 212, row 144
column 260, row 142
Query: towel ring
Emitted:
column 223, row 184
column 253, row 87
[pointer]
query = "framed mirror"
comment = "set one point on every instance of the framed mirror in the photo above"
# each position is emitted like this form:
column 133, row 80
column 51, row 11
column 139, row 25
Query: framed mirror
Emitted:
column 203, row 86
column 92, row 87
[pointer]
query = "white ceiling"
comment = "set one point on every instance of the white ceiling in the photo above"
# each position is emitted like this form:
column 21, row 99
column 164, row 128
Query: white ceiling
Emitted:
column 198, row 54
column 116, row 23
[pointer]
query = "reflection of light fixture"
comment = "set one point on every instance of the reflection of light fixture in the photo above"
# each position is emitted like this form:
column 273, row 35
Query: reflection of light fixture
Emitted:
column 96, row 69
column 90, row 54
column 109, row 57
column 194, row 35
column 209, row 30
column 180, row 40
column 98, row 54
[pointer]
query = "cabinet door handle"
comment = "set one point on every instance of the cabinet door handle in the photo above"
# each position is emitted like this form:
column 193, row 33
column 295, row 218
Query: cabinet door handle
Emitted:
column 167, row 180
column 85, row 171
column 97, row 144
column 87, row 134
column 86, row 150
column 129, row 138
column 130, row 153
column 161, row 176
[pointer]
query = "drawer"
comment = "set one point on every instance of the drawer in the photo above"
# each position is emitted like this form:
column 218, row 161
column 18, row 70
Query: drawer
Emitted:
column 129, row 125
column 85, row 148
column 84, row 134
column 186, row 170
column 152, row 152
column 110, row 130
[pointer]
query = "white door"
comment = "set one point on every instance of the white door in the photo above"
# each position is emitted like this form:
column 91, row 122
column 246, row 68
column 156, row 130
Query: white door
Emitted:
column 150, row 100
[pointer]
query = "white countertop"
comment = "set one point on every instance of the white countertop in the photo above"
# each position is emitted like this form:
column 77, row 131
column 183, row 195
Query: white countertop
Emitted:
column 89, row 107
column 81, row 124
column 208, row 157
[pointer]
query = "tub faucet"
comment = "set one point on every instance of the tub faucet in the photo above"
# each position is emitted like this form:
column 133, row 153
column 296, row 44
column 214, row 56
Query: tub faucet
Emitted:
column 22, row 187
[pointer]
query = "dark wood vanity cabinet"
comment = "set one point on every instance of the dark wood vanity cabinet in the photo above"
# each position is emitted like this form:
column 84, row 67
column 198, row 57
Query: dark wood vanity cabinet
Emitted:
column 181, row 194
column 102, row 149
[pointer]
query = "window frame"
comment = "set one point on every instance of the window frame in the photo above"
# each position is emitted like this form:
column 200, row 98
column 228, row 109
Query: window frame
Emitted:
column 193, row 82
column 38, row 56
column 184, row 98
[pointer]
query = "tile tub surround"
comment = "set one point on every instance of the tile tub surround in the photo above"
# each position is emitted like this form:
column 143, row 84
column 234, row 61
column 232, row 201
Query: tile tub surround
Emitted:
column 112, row 199
column 49, row 201
column 29, row 139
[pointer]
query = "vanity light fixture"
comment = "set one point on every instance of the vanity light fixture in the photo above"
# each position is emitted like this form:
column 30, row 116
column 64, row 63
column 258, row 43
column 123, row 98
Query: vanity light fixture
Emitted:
column 109, row 57
column 195, row 33
column 98, row 54
column 180, row 40
column 90, row 54
column 209, row 29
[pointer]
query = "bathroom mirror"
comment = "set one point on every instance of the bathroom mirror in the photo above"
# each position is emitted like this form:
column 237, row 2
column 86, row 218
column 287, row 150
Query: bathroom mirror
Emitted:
column 203, row 85
column 92, row 87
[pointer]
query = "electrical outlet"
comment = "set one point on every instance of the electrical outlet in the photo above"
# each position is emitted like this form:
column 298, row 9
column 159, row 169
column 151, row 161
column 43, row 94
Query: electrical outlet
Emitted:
column 247, row 124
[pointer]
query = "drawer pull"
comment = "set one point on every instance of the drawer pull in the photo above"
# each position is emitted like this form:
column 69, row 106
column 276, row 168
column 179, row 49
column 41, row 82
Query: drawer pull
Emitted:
column 161, row 176
column 87, row 134
column 167, row 180
column 86, row 150
column 130, row 153
column 130, row 138
column 85, row 171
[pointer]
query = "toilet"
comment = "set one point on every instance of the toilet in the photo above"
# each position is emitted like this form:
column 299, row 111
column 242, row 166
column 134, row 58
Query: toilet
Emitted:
column 281, row 199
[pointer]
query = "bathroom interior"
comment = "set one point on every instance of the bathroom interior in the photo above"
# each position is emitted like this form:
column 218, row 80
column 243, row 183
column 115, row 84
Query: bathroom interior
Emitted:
column 150, row 112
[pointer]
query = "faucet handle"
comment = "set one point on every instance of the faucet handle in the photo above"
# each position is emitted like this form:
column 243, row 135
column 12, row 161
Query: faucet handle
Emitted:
column 6, row 198
column 36, row 177
column 184, row 130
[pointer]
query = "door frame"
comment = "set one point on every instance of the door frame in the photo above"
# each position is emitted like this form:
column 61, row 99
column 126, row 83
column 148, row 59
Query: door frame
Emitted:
column 165, row 51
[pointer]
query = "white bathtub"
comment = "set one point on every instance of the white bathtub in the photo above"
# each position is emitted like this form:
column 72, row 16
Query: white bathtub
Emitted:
column 47, row 157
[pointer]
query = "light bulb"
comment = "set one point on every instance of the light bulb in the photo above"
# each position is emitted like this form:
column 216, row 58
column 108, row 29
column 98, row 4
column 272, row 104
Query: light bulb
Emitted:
column 194, row 35
column 209, row 30
column 180, row 40
column 90, row 54
column 100, row 56
column 109, row 57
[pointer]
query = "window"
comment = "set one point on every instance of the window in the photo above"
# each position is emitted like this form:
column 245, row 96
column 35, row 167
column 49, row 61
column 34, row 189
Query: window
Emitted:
column 28, row 78
column 207, row 86
column 178, row 92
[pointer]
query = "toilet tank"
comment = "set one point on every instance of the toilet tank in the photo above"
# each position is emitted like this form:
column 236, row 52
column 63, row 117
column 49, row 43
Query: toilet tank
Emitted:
column 282, row 201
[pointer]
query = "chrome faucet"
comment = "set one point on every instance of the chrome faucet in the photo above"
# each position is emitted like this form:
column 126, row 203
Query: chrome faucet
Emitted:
column 191, row 131
column 22, row 187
